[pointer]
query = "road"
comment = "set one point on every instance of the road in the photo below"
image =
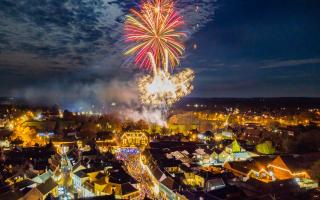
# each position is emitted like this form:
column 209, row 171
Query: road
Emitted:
column 136, row 169
column 64, row 190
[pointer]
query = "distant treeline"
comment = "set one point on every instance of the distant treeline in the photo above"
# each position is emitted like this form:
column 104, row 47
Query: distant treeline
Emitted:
column 271, row 103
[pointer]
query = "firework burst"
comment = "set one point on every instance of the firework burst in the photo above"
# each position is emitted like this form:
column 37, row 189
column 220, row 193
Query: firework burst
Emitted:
column 158, row 6
column 162, row 89
column 155, row 29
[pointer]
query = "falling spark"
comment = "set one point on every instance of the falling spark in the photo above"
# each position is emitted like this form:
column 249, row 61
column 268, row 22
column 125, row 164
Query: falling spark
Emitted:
column 197, row 9
column 195, row 46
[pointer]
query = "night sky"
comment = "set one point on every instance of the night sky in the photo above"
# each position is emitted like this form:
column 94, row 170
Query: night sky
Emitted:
column 71, row 49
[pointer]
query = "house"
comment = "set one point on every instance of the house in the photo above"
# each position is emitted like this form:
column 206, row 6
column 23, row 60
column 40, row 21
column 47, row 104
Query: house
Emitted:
column 191, row 178
column 206, row 136
column 54, row 162
column 288, row 167
column 234, row 147
column 134, row 138
column 104, row 197
column 81, row 176
column 270, row 168
column 233, row 152
column 12, row 195
column 120, row 190
column 230, row 192
column 24, row 184
column 77, row 167
column 121, row 184
column 43, row 177
column 295, row 167
column 284, row 189
column 211, row 181
column 98, row 182
column 224, row 135
column 253, row 168
column 73, row 156
column 17, row 190
column 43, row 190
column 105, row 141
column 204, row 179
column 5, row 144
column 91, row 154
column 204, row 156
column 156, row 162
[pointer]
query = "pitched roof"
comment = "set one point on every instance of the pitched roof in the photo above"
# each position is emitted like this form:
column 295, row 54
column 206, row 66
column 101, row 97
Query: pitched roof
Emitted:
column 76, row 166
column 127, row 188
column 23, row 184
column 100, row 175
column 120, row 177
column 47, row 186
column 256, row 163
column 297, row 163
column 235, row 146
column 43, row 177
column 104, row 197
column 279, row 186
column 11, row 195
column 81, row 174
column 168, row 182
column 226, row 192
column 207, row 175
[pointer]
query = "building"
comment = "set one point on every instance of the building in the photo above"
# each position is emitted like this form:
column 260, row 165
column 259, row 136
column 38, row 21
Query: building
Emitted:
column 91, row 182
column 5, row 143
column 294, row 167
column 134, row 138
column 270, row 169
column 233, row 152
column 43, row 190
column 255, row 168
column 203, row 179
column 42, row 178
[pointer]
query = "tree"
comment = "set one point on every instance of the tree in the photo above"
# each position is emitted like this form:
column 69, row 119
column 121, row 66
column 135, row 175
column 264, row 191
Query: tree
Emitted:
column 88, row 129
column 308, row 141
column 265, row 148
column 27, row 135
column 17, row 141
column 142, row 125
column 57, row 127
column 112, row 122
column 128, row 125
column 67, row 115
column 235, row 146
column 54, row 110
column 164, row 131
column 153, row 129
column 315, row 171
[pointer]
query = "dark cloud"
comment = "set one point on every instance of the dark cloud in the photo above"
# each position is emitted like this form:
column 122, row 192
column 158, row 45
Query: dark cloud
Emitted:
column 75, row 33
column 244, row 48
column 289, row 63
column 71, row 51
